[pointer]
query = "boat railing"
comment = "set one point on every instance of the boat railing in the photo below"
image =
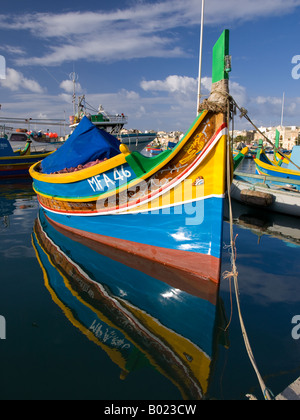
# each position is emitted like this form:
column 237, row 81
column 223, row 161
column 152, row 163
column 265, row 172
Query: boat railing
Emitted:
column 117, row 119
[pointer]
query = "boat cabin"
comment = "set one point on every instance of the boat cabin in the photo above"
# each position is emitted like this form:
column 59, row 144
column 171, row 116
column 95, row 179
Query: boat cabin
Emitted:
column 18, row 137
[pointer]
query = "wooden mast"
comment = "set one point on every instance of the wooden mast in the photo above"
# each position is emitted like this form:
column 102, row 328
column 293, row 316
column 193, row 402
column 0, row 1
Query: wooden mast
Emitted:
column 200, row 57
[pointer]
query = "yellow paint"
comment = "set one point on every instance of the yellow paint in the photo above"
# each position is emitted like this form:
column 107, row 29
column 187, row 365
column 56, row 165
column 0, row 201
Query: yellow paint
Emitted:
column 199, row 363
column 194, row 148
column 276, row 169
column 124, row 149
column 79, row 175
column 211, row 170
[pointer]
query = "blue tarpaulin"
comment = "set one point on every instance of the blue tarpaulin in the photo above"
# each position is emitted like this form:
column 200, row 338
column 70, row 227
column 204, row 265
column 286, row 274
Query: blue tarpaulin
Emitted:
column 295, row 158
column 86, row 144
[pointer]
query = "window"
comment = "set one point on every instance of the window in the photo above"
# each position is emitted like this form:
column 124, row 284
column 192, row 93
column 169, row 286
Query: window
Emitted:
column 18, row 137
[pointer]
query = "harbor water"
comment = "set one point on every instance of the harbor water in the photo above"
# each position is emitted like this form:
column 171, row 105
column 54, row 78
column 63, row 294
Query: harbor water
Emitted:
column 78, row 325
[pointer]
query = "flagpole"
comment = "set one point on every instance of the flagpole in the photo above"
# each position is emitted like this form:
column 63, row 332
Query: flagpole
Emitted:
column 200, row 58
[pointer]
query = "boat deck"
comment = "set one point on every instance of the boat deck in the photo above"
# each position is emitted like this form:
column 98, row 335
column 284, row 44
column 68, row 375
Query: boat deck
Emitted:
column 292, row 393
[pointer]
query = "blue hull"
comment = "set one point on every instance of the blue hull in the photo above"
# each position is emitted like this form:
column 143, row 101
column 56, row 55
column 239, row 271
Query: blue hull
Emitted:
column 190, row 227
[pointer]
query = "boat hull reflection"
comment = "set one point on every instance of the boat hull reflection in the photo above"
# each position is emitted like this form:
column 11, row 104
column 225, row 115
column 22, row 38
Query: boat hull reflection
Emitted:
column 137, row 319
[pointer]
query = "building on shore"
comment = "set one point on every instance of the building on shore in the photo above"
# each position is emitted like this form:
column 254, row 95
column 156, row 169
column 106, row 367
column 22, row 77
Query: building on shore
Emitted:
column 288, row 136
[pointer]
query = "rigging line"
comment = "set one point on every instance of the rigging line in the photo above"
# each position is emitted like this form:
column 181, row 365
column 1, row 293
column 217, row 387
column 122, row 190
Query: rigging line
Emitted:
column 234, row 274
column 91, row 106
column 244, row 113
column 51, row 75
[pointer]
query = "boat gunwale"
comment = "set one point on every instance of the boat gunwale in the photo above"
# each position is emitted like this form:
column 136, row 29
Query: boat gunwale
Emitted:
column 24, row 157
column 271, row 190
column 218, row 134
column 265, row 177
column 118, row 160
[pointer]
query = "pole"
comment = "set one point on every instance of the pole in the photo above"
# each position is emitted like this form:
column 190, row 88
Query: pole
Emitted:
column 282, row 109
column 200, row 57
column 282, row 112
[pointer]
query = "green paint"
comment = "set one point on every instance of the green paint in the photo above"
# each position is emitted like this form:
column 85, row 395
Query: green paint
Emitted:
column 277, row 139
column 142, row 164
column 260, row 147
column 237, row 160
column 220, row 51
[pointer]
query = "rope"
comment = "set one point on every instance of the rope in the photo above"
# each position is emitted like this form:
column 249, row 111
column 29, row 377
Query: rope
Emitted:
column 221, row 101
column 234, row 273
column 218, row 99
column 244, row 114
column 217, row 102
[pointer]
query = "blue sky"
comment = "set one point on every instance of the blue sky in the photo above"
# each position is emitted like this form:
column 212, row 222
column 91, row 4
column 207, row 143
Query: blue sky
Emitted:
column 140, row 58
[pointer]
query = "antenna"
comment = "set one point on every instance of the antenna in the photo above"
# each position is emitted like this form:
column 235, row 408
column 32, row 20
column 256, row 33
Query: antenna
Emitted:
column 200, row 57
column 74, row 77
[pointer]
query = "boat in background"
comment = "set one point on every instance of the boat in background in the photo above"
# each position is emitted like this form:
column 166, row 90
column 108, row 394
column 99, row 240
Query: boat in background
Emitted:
column 17, row 163
column 265, row 222
column 41, row 141
column 239, row 156
column 275, row 185
column 15, row 194
column 154, row 151
column 139, row 321
column 113, row 124
column 269, row 192
column 281, row 157
column 289, row 174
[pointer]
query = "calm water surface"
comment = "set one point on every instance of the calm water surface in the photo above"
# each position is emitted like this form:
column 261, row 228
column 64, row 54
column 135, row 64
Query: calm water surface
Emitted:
column 82, row 326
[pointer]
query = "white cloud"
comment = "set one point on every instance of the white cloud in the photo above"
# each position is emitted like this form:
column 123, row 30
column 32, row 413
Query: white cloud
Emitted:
column 171, row 84
column 268, row 100
column 15, row 81
column 245, row 10
column 238, row 92
column 13, row 50
column 142, row 30
column 68, row 86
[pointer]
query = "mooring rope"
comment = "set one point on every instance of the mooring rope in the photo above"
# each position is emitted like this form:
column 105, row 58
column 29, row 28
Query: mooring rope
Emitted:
column 234, row 273
column 244, row 114
column 217, row 102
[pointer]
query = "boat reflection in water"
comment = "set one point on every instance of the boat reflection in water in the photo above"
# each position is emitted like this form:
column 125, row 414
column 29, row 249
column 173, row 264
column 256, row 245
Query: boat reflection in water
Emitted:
column 137, row 319
column 263, row 222
column 15, row 194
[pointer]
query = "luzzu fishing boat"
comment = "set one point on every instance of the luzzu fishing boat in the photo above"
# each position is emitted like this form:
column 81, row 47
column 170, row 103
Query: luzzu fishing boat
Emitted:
column 17, row 163
column 113, row 124
column 167, row 209
column 269, row 192
column 290, row 173
column 274, row 187
column 239, row 156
